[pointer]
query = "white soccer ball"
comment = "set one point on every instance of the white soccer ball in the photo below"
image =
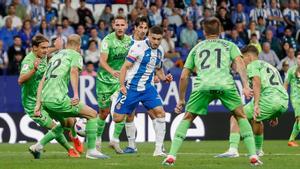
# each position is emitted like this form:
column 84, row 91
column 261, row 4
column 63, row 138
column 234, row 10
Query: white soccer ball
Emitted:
column 80, row 127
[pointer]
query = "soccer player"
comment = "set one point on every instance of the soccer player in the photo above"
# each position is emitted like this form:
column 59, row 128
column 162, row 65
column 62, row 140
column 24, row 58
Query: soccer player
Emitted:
column 52, row 96
column 212, row 59
column 293, row 79
column 32, row 69
column 136, row 75
column 114, row 49
column 269, row 102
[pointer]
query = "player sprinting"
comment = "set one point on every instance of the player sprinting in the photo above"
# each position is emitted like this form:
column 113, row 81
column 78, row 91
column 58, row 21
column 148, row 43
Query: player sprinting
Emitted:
column 212, row 59
column 114, row 49
column 136, row 75
column 32, row 69
column 53, row 96
column 269, row 102
column 293, row 79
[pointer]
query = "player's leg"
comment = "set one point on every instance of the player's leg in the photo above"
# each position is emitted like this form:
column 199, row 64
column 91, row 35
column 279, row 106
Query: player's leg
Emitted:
column 130, row 132
column 70, row 122
column 258, row 131
column 296, row 127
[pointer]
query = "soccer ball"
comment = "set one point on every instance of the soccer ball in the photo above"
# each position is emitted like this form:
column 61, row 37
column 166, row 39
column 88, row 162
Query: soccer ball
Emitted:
column 80, row 127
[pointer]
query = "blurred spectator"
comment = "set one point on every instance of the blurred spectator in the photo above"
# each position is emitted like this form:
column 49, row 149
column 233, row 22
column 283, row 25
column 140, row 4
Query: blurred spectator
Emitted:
column 286, row 46
column 20, row 9
column 2, row 8
column 140, row 7
column 94, row 36
column 212, row 5
column 16, row 21
column 14, row 66
column 36, row 12
column 15, row 48
column 93, row 53
column 67, row 29
column 131, row 20
column 84, row 37
column 261, row 26
column 23, row 2
column 154, row 16
column 206, row 14
column 290, row 58
column 45, row 30
column 239, row 15
column 188, row 36
column 284, row 70
column 102, row 29
column 225, row 20
column 269, row 55
column 275, row 43
column 291, row 14
column 7, row 33
column 89, row 70
column 107, row 15
column 59, row 34
column 83, row 13
column 70, row 13
column 240, row 28
column 50, row 12
column 254, row 41
column 26, row 34
column 259, row 11
column 3, row 59
column 188, row 2
column 236, row 39
column 121, row 12
column 168, row 45
column 289, row 38
column 194, row 12
column 252, row 29
column 173, row 14
column 274, row 15
column 160, row 7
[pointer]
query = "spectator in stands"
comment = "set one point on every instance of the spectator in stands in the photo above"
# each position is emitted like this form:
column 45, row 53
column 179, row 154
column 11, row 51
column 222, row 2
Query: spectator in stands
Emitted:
column 20, row 9
column 206, row 14
column 254, row 41
column 3, row 59
column 2, row 9
column 286, row 46
column 284, row 69
column 84, row 12
column 188, row 36
column 236, row 39
column 26, row 34
column 291, row 14
column 121, row 12
column 15, row 48
column 290, row 58
column 274, row 15
column 212, row 5
column 242, row 32
column 225, row 20
column 269, row 55
column 239, row 15
column 173, row 14
column 84, row 37
column 50, row 12
column 16, row 21
column 89, row 70
column 107, row 15
column 67, row 29
column 94, row 36
column 160, row 7
column 7, row 33
column 168, row 45
column 188, row 2
column 93, row 53
column 131, row 20
column 14, row 66
column 193, row 12
column 70, row 13
column 252, row 30
column 154, row 16
column 102, row 29
column 261, row 26
column 288, row 37
column 140, row 7
column 36, row 12
column 259, row 11
column 59, row 34
column 45, row 30
column 275, row 43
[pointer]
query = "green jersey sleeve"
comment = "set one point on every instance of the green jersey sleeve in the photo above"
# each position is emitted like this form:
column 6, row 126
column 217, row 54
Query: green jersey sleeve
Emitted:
column 27, row 66
column 104, row 46
column 190, row 61
column 76, row 61
column 253, row 69
column 234, row 51
column 289, row 76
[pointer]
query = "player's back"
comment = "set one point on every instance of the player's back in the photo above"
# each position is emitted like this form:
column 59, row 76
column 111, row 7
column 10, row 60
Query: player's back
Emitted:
column 212, row 60
column 55, row 86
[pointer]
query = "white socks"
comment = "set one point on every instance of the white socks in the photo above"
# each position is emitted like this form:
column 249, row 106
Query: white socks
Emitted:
column 160, row 131
column 130, row 132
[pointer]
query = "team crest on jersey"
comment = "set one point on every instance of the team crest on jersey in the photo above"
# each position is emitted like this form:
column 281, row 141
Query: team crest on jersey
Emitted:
column 25, row 67
column 104, row 45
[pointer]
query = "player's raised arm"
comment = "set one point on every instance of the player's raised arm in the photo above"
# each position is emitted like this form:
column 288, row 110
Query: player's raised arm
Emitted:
column 27, row 71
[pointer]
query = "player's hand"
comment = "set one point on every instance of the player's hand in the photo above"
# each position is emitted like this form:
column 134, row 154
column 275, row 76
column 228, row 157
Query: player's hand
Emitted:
column 123, row 90
column 156, row 79
column 115, row 73
column 37, row 63
column 75, row 100
column 37, row 109
column 179, row 107
column 58, row 43
column 169, row 78
column 248, row 92
column 274, row 122
column 256, row 111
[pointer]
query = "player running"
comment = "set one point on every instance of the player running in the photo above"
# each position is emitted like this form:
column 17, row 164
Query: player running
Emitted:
column 293, row 79
column 53, row 96
column 269, row 102
column 136, row 76
column 212, row 59
column 32, row 69
column 114, row 49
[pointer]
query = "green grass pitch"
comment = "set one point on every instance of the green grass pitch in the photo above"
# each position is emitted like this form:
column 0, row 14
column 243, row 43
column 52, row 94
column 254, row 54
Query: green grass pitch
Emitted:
column 192, row 155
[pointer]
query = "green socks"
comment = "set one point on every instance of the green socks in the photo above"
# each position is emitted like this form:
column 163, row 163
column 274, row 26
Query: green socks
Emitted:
column 247, row 135
column 91, row 132
column 179, row 136
column 101, row 126
column 47, row 138
column 118, row 130
column 295, row 131
column 259, row 139
column 73, row 132
column 234, row 140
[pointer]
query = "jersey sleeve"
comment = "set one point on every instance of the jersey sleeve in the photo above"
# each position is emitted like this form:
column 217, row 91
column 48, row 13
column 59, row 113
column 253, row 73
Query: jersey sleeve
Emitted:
column 104, row 46
column 253, row 70
column 234, row 51
column 289, row 76
column 26, row 66
column 190, row 61
column 134, row 52
column 77, row 61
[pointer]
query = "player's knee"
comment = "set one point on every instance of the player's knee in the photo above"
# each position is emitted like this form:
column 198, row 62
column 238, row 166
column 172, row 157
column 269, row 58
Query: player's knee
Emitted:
column 298, row 118
column 189, row 116
column 103, row 113
column 130, row 118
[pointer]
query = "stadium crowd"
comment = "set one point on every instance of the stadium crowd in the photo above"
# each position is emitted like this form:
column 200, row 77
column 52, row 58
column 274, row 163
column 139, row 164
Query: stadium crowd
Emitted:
column 273, row 26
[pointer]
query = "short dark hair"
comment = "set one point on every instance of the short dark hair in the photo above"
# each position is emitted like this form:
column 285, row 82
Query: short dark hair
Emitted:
column 91, row 41
column 212, row 26
column 140, row 20
column 38, row 39
column 17, row 36
column 156, row 30
column 250, row 49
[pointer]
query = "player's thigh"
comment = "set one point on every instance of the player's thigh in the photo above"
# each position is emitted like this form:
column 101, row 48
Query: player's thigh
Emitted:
column 152, row 102
column 44, row 120
column 104, row 93
column 199, row 101
column 126, row 104
column 230, row 99
column 249, row 110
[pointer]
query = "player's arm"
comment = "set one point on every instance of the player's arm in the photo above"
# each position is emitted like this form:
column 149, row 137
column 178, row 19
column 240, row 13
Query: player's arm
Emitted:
column 241, row 69
column 74, row 77
column 256, row 89
column 127, row 64
column 104, row 65
column 161, row 75
column 287, row 79
column 27, row 73
column 183, row 83
column 38, row 97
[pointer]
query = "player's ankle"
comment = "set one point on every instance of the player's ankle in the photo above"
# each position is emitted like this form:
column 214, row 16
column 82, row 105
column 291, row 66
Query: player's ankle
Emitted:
column 233, row 149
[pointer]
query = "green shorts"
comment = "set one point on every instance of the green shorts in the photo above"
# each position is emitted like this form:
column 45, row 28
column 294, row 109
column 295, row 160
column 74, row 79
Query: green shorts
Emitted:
column 44, row 120
column 199, row 100
column 104, row 92
column 271, row 106
column 61, row 110
column 296, row 106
